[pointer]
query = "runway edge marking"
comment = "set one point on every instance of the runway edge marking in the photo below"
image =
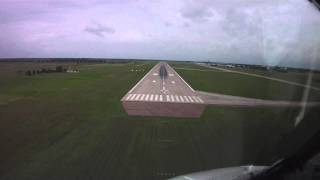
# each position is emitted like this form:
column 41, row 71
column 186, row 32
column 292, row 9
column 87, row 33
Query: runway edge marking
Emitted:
column 181, row 78
column 142, row 79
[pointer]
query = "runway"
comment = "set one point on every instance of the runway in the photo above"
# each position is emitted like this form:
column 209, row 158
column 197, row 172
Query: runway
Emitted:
column 161, row 93
column 172, row 89
column 165, row 94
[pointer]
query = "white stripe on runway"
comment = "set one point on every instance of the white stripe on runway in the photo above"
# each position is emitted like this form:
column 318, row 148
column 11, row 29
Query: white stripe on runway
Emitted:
column 156, row 97
column 185, row 97
column 128, row 97
column 181, row 99
column 132, row 97
column 168, row 98
column 195, row 99
column 151, row 97
column 172, row 98
column 177, row 98
column 190, row 99
column 147, row 97
column 137, row 97
column 141, row 99
column 160, row 97
column 199, row 99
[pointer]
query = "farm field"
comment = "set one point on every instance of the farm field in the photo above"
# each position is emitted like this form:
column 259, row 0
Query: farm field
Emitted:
column 72, row 126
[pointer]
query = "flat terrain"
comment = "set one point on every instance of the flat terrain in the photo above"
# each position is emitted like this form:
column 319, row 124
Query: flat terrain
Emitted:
column 213, row 80
column 72, row 126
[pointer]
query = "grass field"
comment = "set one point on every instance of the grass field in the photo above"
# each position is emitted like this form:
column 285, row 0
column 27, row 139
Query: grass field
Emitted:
column 300, row 77
column 248, row 86
column 72, row 126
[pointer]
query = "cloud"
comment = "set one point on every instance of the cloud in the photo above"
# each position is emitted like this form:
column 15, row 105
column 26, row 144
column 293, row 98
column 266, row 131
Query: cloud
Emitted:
column 99, row 30
column 197, row 11
column 254, row 31
column 240, row 23
column 185, row 25
column 168, row 24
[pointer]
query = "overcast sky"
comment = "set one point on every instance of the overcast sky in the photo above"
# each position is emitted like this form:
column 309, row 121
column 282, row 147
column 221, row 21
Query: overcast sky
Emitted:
column 268, row 32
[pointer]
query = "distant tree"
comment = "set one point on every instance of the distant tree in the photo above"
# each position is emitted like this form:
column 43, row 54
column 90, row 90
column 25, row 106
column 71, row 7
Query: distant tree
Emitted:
column 28, row 73
column 33, row 72
column 59, row 69
column 20, row 72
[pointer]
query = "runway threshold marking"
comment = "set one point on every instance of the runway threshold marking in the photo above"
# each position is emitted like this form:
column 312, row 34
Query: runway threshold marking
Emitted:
column 200, row 99
column 132, row 97
column 141, row 99
column 172, row 98
column 177, row 98
column 186, row 98
column 195, row 98
column 137, row 97
column 168, row 98
column 128, row 97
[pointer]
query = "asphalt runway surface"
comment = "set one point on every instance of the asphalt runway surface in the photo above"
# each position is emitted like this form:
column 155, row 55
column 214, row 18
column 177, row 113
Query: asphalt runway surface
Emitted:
column 155, row 88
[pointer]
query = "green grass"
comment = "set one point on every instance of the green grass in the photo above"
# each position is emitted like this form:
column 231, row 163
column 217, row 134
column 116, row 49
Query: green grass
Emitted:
column 246, row 86
column 299, row 77
column 72, row 126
